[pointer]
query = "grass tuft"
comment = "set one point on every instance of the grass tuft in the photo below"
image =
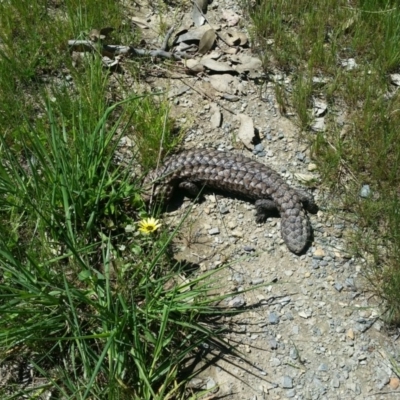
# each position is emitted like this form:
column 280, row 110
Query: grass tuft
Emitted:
column 320, row 39
column 97, row 308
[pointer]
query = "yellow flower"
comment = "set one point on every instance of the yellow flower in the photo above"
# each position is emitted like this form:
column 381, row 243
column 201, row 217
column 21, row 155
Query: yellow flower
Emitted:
column 149, row 225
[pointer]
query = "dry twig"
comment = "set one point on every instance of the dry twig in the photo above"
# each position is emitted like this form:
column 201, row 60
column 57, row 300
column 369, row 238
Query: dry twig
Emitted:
column 115, row 50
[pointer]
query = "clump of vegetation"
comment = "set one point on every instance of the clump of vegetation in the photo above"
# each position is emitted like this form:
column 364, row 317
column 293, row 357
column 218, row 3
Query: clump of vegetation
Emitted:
column 317, row 39
column 90, row 297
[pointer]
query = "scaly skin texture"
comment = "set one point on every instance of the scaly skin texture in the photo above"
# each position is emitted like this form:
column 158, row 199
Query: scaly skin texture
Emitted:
column 234, row 173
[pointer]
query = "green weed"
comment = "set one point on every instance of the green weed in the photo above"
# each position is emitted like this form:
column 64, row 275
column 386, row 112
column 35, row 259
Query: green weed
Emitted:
column 98, row 309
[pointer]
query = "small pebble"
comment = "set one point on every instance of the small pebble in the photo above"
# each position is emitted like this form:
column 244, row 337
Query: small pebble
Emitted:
column 210, row 384
column 258, row 148
column 275, row 362
column 349, row 282
column 213, row 231
column 394, row 383
column 224, row 210
column 323, row 367
column 312, row 167
column 287, row 382
column 293, row 353
column 354, row 387
column 263, row 373
column 232, row 225
column 335, row 383
column 319, row 254
column 273, row 344
column 238, row 278
column 365, row 191
column 273, row 318
column 305, row 314
column 237, row 302
column 231, row 97
column 249, row 249
column 300, row 156
column 350, row 334
column 338, row 287
column 290, row 393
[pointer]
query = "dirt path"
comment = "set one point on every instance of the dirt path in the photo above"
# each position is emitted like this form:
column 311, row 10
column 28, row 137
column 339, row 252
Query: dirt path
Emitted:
column 315, row 334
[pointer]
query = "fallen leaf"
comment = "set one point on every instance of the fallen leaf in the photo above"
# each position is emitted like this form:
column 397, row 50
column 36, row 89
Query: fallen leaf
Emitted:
column 216, row 65
column 247, row 63
column 213, row 54
column 199, row 8
column 243, row 39
column 187, row 48
column 230, row 38
column 202, row 5
column 197, row 68
column 193, row 35
column 231, row 50
column 246, row 130
column 207, row 41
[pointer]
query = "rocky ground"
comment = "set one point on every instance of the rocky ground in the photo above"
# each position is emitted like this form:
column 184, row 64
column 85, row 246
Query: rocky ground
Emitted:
column 315, row 332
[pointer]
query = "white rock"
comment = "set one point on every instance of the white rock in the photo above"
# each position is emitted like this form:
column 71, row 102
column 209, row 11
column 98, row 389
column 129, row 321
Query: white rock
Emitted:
column 395, row 79
column 318, row 125
column 246, row 130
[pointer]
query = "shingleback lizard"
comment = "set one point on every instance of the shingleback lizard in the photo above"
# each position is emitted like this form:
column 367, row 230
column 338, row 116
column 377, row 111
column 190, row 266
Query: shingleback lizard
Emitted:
column 237, row 174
